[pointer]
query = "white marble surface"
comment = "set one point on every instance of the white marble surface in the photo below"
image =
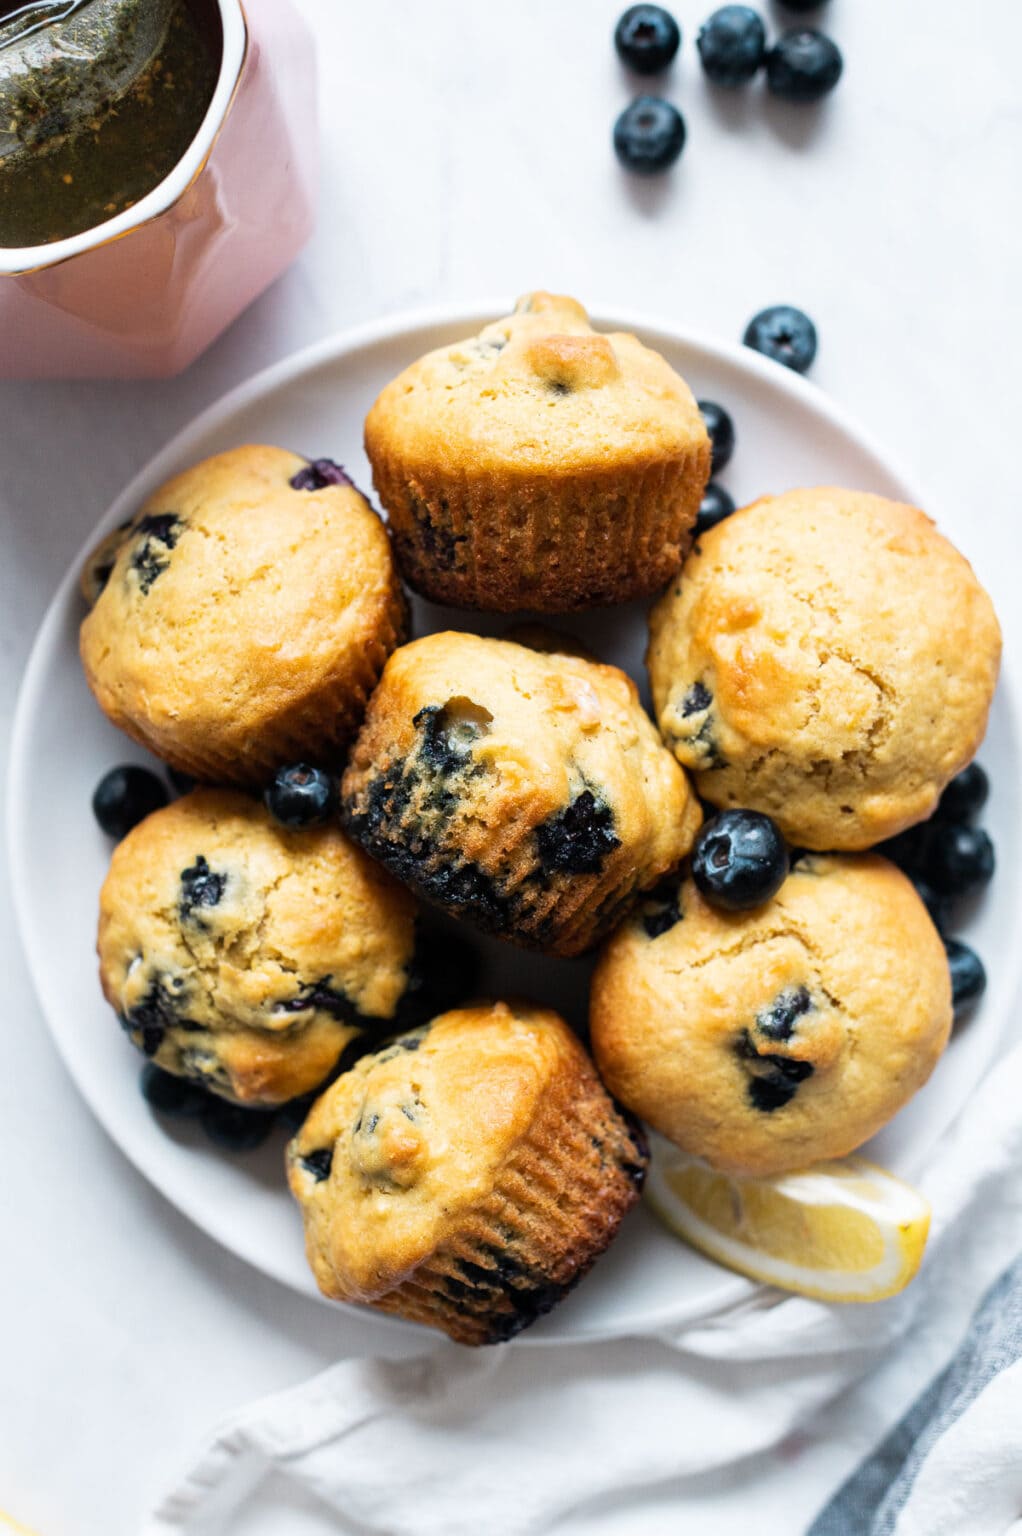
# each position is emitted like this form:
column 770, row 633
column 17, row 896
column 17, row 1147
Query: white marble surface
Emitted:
column 467, row 154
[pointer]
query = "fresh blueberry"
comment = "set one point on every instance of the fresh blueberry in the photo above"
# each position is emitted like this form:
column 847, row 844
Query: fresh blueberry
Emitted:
column 965, row 796
column 714, row 507
column 125, row 796
column 318, row 475
column 801, row 6
column 647, row 38
column 173, row 1096
column 722, row 433
column 960, row 858
column 783, row 333
column 292, row 1115
column 739, row 860
column 233, row 1127
column 909, row 849
column 938, row 906
column 183, row 783
column 968, row 974
column 649, row 135
column 301, row 796
column 448, row 973
column 732, row 45
column 803, row 66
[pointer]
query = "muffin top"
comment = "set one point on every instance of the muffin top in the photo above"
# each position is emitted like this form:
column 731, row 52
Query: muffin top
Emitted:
column 539, row 392
column 766, row 1040
column 232, row 595
column 826, row 657
column 533, row 766
column 244, row 955
column 396, row 1151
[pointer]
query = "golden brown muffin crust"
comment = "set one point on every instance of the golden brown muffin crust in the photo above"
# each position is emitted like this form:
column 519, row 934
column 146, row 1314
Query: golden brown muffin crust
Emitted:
column 527, row 791
column 828, row 658
column 466, row 1175
column 243, row 623
column 539, row 464
column 245, row 956
column 764, row 1041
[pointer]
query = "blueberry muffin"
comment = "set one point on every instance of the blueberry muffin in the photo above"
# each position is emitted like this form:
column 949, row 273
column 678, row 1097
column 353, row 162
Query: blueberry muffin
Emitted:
column 539, row 464
column 523, row 790
column 242, row 618
column 245, row 957
column 828, row 658
column 467, row 1175
column 764, row 1041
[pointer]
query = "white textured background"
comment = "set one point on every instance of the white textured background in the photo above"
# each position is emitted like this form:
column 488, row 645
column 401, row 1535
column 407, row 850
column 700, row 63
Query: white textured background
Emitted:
column 467, row 152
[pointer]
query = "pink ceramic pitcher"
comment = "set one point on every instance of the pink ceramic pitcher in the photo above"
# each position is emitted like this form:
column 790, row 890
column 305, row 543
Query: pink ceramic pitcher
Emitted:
column 147, row 291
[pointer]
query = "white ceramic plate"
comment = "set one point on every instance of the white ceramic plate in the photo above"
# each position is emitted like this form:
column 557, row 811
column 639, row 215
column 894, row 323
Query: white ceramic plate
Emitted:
column 788, row 435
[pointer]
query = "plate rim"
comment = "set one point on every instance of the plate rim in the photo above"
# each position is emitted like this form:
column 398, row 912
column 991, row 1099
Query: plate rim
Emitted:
column 731, row 1289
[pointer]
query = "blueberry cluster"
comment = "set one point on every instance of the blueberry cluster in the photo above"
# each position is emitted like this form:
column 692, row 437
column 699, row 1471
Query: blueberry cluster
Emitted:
column 717, row 503
column 802, row 66
column 784, row 334
column 949, row 859
column 227, row 1125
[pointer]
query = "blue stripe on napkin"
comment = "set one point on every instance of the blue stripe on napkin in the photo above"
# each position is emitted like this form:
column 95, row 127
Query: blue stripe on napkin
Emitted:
column 869, row 1503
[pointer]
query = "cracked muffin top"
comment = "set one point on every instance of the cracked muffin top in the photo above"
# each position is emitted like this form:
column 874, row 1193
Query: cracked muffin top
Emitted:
column 538, row 390
column 244, row 956
column 525, row 790
column 466, row 1174
column 826, row 657
column 764, row 1041
column 241, row 619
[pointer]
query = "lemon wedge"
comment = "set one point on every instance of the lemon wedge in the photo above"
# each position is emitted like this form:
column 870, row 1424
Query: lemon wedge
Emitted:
column 8, row 1523
column 839, row 1231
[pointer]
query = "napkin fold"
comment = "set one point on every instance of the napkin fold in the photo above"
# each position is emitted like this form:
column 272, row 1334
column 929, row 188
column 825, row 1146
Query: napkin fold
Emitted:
column 520, row 1440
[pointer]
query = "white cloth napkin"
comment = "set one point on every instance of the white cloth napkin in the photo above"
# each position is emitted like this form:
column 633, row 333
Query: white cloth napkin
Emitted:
column 551, row 1437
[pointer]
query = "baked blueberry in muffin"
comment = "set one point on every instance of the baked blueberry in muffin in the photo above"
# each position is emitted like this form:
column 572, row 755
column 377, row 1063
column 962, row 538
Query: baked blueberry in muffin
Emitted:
column 242, row 618
column 525, row 791
column 466, row 1175
column 539, row 464
column 245, row 957
column 769, row 1039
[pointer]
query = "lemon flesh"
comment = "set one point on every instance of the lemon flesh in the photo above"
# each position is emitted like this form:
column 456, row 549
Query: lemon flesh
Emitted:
column 839, row 1231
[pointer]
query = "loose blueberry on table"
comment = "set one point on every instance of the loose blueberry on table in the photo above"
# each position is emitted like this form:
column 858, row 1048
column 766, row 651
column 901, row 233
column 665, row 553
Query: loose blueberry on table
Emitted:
column 785, row 334
column 647, row 38
column 714, row 507
column 739, row 860
column 721, row 431
column 803, row 66
column 125, row 796
column 801, row 6
column 732, row 45
column 649, row 135
column 301, row 796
